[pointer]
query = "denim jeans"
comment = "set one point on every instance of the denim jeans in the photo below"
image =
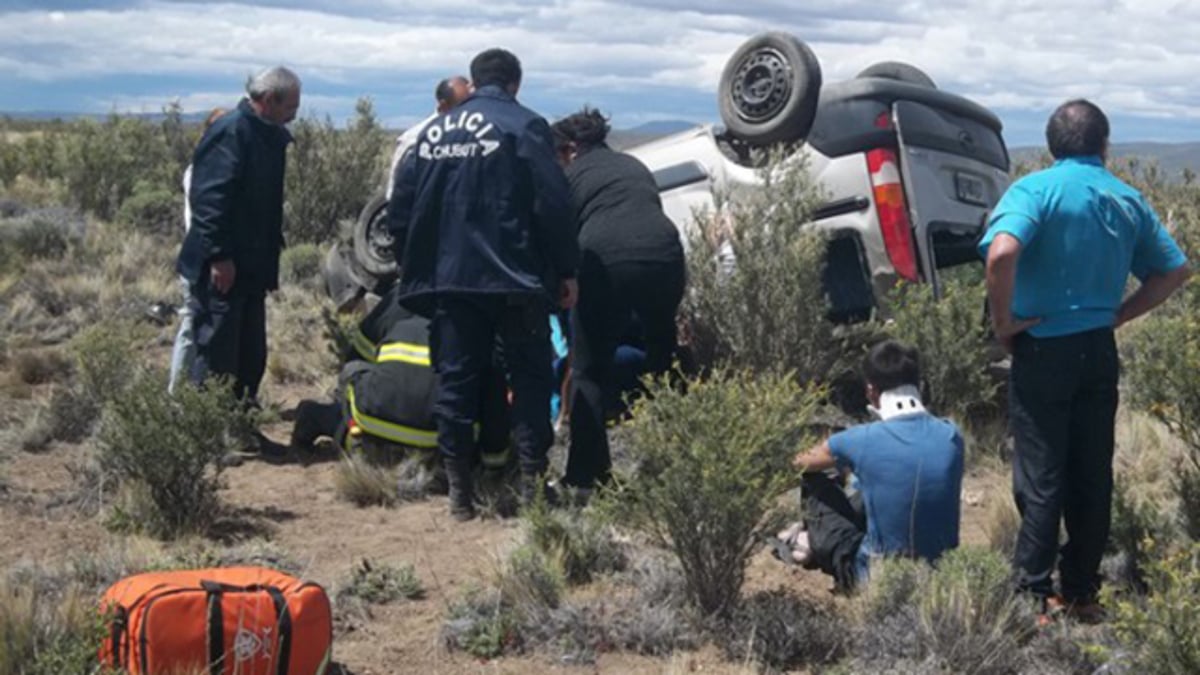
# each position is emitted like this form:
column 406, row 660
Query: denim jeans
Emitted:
column 184, row 351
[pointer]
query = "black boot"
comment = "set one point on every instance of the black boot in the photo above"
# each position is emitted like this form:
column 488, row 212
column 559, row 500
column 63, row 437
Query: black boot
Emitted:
column 533, row 484
column 313, row 420
column 461, row 488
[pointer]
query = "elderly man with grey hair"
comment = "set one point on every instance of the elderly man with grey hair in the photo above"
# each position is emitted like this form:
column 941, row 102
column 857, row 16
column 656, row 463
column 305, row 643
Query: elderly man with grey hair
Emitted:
column 230, row 256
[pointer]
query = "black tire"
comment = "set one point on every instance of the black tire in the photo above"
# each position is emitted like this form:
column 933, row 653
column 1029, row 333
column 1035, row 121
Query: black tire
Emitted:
column 343, row 284
column 895, row 70
column 769, row 89
column 372, row 241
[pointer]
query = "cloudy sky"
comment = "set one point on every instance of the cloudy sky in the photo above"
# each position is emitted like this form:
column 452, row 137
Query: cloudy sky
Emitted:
column 639, row 61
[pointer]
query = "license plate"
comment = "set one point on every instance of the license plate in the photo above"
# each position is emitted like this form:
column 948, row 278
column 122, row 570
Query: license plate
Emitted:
column 970, row 189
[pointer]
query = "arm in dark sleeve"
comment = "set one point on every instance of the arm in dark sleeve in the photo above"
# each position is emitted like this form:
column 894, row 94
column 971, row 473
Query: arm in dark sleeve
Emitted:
column 553, row 214
column 216, row 169
column 404, row 193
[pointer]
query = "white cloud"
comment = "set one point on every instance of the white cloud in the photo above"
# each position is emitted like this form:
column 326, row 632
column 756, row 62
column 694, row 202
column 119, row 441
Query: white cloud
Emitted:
column 1137, row 58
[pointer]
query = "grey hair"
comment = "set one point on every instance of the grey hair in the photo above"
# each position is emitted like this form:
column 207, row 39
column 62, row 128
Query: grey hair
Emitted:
column 275, row 81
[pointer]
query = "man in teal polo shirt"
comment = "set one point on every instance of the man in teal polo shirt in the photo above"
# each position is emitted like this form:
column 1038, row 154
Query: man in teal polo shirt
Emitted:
column 1060, row 247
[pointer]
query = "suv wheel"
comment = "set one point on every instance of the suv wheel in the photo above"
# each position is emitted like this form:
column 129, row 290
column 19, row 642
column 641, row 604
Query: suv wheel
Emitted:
column 769, row 89
column 372, row 241
column 895, row 70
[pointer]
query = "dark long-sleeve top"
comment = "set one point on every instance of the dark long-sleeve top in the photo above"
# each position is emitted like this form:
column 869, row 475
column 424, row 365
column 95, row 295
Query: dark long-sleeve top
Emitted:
column 619, row 211
column 236, row 199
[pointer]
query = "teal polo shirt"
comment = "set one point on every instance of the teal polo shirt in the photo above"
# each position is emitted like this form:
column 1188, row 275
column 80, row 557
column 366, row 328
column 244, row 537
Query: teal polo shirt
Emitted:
column 1082, row 233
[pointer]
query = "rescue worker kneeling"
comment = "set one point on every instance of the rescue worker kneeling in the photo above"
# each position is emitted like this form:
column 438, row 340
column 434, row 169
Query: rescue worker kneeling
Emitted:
column 386, row 391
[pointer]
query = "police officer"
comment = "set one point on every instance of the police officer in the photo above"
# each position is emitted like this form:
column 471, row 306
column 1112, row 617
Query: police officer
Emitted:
column 485, row 239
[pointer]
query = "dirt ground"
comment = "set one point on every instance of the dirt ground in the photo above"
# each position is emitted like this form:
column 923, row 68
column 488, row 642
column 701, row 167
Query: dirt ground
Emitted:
column 292, row 502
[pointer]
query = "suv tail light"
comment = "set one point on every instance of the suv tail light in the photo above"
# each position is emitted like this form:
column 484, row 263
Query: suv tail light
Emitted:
column 892, row 210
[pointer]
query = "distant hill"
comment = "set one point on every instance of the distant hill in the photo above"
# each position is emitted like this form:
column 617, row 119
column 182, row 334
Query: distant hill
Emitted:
column 1172, row 158
column 50, row 115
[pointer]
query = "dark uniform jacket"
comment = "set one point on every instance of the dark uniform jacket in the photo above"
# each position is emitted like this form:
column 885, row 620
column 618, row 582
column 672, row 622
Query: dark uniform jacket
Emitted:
column 371, row 331
column 393, row 399
column 237, row 200
column 619, row 211
column 481, row 206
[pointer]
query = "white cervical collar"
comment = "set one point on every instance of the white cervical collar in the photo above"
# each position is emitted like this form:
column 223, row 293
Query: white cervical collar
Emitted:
column 904, row 400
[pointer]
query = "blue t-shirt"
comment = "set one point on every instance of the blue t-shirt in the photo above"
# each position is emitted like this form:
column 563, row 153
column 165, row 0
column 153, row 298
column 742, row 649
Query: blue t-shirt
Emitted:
column 909, row 470
column 1082, row 232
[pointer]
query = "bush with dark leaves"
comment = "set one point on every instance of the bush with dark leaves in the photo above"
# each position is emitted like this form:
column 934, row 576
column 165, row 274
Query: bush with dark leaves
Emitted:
column 711, row 465
column 780, row 631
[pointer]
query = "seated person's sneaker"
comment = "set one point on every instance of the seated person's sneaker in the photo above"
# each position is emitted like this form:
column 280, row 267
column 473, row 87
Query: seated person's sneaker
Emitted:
column 800, row 549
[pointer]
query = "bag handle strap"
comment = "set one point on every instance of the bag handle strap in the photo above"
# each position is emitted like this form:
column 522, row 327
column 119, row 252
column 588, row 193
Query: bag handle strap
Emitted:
column 285, row 629
column 216, row 633
column 216, row 627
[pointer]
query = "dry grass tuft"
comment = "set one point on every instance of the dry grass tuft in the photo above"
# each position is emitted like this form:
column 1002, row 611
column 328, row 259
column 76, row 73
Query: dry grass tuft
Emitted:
column 40, row 366
column 365, row 483
column 1002, row 524
column 298, row 353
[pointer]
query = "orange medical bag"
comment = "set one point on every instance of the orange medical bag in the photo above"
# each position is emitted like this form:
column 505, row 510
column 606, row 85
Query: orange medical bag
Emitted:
column 224, row 621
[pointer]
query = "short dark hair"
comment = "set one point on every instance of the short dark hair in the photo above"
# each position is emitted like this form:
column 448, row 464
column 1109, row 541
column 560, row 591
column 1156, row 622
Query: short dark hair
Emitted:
column 1078, row 128
column 892, row 364
column 445, row 89
column 495, row 66
column 586, row 128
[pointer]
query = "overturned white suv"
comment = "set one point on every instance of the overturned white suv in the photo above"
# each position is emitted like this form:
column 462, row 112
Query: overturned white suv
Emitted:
column 911, row 171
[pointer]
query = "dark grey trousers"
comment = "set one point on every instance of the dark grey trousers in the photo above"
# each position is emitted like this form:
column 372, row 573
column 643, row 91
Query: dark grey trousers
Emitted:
column 1062, row 406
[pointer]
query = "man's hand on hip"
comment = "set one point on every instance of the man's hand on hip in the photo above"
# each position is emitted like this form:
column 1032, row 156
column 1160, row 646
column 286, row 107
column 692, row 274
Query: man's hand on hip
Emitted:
column 1007, row 328
column 568, row 293
column 223, row 274
column 1002, row 257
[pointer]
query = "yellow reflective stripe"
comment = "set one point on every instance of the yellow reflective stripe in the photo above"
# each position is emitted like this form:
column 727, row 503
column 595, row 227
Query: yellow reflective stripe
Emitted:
column 418, row 355
column 364, row 347
column 396, row 433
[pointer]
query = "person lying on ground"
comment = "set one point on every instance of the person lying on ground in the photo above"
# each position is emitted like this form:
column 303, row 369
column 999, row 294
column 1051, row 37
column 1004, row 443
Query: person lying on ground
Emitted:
column 907, row 478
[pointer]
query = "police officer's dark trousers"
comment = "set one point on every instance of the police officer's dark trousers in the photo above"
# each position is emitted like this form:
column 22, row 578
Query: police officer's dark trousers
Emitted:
column 463, row 339
column 1062, row 406
column 231, row 336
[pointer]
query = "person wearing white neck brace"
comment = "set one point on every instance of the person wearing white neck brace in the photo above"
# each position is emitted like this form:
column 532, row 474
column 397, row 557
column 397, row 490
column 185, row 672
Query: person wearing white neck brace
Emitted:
column 908, row 467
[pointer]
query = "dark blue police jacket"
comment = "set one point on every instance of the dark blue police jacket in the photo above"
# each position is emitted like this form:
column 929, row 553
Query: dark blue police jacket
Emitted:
column 237, row 200
column 480, row 206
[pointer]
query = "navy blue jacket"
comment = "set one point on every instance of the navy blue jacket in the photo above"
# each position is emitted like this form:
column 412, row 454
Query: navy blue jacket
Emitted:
column 481, row 206
column 237, row 200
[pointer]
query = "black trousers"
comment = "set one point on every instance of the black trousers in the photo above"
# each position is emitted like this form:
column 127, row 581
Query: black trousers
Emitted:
column 231, row 337
column 836, row 524
column 1062, row 407
column 610, row 296
column 463, row 342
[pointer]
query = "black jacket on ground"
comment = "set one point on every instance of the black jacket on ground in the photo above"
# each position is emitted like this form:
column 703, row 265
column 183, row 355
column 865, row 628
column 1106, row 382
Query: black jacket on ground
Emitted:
column 619, row 211
column 481, row 206
column 237, row 200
